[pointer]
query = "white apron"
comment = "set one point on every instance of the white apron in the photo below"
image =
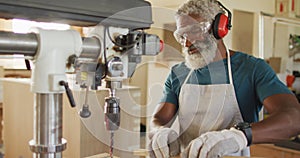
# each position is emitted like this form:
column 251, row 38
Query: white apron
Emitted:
column 204, row 108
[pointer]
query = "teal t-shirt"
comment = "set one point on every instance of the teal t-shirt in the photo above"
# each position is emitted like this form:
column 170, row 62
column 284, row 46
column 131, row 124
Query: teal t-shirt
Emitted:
column 253, row 80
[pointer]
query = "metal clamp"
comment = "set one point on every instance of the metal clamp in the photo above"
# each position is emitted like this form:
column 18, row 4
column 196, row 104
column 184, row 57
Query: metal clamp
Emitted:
column 50, row 148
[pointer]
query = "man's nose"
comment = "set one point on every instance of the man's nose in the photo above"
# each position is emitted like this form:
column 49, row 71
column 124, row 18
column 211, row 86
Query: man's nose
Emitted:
column 192, row 38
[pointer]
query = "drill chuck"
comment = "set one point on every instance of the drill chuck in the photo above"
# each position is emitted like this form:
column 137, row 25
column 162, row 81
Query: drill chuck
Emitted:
column 112, row 113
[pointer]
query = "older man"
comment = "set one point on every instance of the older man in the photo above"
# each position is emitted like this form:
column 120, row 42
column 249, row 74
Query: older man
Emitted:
column 217, row 93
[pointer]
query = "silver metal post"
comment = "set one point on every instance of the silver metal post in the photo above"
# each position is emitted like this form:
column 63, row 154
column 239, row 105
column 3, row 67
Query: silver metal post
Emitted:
column 91, row 48
column 12, row 43
column 48, row 141
column 27, row 44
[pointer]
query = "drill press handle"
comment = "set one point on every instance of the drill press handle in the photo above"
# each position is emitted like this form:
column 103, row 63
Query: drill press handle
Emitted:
column 69, row 93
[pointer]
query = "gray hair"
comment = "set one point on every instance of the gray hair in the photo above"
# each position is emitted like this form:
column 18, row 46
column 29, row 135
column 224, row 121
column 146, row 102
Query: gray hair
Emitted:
column 206, row 9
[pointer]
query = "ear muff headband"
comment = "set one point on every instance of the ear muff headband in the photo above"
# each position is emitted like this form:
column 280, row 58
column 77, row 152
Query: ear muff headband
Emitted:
column 221, row 24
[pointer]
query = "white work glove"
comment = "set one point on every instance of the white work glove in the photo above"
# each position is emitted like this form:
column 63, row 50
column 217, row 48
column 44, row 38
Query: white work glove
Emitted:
column 216, row 144
column 163, row 143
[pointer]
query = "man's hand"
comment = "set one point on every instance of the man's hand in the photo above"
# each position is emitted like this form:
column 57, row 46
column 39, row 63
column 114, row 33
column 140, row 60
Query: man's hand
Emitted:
column 216, row 144
column 164, row 143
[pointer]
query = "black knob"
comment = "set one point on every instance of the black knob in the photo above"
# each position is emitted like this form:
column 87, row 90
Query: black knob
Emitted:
column 85, row 112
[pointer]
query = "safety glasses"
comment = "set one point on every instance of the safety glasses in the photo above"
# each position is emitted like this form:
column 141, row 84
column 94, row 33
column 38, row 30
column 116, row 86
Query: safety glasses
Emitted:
column 191, row 31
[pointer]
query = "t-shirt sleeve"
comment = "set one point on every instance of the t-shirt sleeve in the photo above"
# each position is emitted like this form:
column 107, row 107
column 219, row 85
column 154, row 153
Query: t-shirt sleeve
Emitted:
column 169, row 94
column 267, row 82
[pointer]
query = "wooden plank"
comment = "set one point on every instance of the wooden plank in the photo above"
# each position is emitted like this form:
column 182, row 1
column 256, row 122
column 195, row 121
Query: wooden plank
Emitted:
column 271, row 151
column 103, row 155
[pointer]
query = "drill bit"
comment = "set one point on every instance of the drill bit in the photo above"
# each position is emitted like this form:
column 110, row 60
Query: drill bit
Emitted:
column 111, row 144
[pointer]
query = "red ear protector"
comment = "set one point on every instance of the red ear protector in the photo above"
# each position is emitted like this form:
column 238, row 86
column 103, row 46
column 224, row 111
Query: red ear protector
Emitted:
column 221, row 24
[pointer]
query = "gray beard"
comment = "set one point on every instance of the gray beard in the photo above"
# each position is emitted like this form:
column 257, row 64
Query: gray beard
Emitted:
column 206, row 54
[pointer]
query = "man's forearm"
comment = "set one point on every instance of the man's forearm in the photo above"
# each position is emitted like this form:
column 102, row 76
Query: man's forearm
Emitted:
column 279, row 126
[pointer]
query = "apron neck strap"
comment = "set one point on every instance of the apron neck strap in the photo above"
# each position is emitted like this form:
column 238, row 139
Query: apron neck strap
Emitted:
column 229, row 66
